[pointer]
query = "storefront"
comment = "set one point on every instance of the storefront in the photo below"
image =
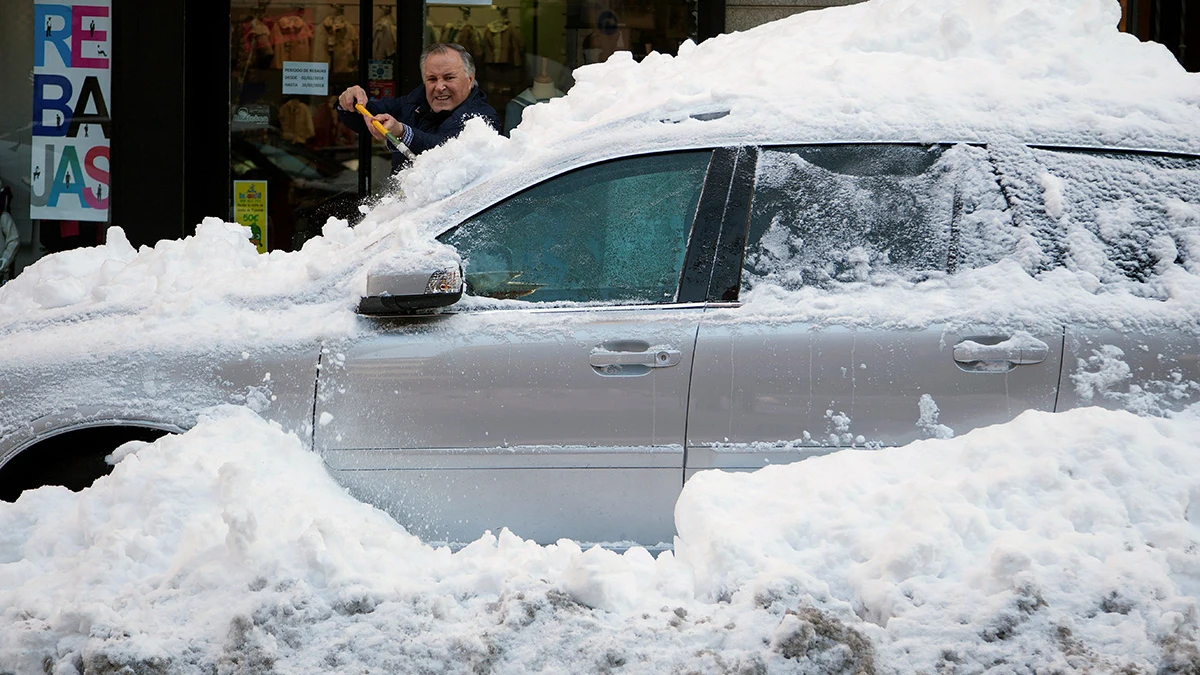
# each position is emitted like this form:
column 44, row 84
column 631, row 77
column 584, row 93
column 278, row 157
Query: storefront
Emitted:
column 294, row 163
column 157, row 114
column 151, row 115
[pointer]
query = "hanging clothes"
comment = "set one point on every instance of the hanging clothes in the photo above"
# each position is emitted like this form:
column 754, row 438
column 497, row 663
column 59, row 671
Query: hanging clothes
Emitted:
column 467, row 36
column 292, row 40
column 296, row 122
column 383, row 38
column 329, row 128
column 256, row 44
column 502, row 43
column 336, row 43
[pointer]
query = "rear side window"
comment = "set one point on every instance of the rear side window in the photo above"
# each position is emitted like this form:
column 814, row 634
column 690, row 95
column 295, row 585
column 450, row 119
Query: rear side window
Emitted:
column 1126, row 216
column 868, row 213
column 614, row 232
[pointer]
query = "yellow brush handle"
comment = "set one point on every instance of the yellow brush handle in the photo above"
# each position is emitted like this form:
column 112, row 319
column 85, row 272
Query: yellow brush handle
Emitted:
column 378, row 125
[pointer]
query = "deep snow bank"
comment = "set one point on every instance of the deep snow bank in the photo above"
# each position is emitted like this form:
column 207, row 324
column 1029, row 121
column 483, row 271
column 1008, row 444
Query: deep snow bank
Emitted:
column 1062, row 542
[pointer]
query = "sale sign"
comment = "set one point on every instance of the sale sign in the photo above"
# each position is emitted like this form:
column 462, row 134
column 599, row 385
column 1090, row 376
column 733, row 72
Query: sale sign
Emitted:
column 250, row 209
column 72, row 65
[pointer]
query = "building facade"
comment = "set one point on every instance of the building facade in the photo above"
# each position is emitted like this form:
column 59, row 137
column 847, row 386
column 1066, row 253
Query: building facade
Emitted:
column 151, row 115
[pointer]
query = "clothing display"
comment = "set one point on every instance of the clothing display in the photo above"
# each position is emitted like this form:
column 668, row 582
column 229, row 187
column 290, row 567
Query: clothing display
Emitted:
column 502, row 43
column 329, row 128
column 291, row 38
column 466, row 35
column 336, row 43
column 10, row 238
column 383, row 38
column 296, row 122
column 257, row 47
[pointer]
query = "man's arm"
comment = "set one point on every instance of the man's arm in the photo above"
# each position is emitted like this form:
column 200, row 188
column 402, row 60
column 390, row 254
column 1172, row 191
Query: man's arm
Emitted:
column 351, row 117
column 453, row 126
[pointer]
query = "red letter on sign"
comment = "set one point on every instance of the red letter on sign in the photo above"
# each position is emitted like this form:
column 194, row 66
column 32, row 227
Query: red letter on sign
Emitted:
column 97, row 174
column 77, row 37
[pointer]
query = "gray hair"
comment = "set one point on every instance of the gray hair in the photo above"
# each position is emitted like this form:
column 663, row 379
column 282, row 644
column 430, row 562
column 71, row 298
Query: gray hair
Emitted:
column 442, row 48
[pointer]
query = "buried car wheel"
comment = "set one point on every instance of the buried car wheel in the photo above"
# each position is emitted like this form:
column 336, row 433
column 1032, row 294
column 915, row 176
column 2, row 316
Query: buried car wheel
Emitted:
column 73, row 460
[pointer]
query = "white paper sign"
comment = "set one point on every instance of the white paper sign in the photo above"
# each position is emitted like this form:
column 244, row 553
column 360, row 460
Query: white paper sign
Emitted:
column 306, row 77
column 68, row 169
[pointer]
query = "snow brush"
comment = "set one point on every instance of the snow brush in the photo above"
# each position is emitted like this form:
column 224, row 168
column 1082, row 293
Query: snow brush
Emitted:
column 396, row 142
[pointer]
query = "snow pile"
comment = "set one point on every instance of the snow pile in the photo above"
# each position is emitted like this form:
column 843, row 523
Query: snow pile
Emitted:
column 215, row 280
column 1059, row 542
column 1066, row 542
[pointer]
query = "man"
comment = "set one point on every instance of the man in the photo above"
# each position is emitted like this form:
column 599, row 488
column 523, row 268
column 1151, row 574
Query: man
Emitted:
column 429, row 115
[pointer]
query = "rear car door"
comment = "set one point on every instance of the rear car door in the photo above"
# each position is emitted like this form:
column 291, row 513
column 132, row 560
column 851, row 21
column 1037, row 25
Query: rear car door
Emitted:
column 1130, row 220
column 556, row 405
column 826, row 369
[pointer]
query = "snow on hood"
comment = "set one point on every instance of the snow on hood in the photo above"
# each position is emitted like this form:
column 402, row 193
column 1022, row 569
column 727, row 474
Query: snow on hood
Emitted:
column 1057, row 542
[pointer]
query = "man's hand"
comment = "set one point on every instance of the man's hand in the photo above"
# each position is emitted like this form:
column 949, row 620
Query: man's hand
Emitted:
column 353, row 95
column 393, row 125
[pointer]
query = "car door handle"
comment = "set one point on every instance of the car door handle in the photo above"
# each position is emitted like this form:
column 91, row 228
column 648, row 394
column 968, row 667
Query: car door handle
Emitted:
column 1020, row 349
column 658, row 356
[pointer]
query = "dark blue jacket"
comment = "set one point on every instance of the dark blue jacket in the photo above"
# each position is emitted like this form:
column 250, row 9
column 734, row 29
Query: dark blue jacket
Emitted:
column 430, row 129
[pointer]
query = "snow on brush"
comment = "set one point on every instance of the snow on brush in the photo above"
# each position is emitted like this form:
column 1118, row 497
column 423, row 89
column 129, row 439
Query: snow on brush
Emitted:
column 1064, row 542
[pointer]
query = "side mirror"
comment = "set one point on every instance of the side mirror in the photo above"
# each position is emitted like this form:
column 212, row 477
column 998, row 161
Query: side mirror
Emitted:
column 408, row 284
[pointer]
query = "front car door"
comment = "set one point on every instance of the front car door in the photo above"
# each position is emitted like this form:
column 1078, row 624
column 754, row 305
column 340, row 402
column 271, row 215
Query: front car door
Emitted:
column 553, row 401
column 828, row 370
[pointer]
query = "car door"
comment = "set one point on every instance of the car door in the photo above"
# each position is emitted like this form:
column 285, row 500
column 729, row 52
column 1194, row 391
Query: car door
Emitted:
column 1130, row 222
column 829, row 371
column 553, row 401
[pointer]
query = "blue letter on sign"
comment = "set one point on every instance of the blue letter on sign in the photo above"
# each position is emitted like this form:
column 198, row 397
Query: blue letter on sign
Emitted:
column 58, row 127
column 44, row 31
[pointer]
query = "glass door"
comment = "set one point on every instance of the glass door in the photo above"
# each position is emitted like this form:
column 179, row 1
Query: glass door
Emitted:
column 294, row 164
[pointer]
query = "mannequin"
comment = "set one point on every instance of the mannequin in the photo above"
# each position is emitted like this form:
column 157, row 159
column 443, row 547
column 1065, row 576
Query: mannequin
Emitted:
column 541, row 91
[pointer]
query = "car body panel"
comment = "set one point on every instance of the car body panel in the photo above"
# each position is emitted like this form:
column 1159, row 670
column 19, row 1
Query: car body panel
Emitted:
column 767, row 393
column 1150, row 373
column 510, row 405
column 161, row 390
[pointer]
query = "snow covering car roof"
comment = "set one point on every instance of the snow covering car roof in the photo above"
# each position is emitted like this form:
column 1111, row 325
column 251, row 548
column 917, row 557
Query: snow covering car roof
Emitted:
column 884, row 70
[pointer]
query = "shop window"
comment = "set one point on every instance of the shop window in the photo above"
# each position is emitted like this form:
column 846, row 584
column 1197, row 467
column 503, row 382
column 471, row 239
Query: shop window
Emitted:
column 526, row 51
column 294, row 164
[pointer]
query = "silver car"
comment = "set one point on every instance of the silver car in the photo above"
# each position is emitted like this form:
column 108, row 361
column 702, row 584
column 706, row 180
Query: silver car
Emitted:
column 628, row 322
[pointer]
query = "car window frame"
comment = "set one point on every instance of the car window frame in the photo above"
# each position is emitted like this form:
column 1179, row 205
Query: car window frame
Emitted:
column 698, row 260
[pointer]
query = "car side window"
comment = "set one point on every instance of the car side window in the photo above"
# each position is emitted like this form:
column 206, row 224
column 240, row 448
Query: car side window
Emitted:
column 613, row 232
column 864, row 213
column 1124, row 215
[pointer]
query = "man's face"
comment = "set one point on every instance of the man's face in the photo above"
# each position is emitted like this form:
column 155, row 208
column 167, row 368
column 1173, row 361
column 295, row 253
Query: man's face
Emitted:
column 446, row 81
